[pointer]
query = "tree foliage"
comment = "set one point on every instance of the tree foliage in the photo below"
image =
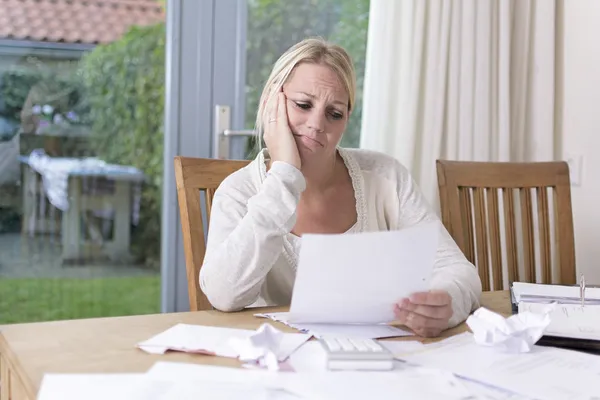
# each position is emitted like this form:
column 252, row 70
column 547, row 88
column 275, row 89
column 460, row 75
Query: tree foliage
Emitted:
column 124, row 86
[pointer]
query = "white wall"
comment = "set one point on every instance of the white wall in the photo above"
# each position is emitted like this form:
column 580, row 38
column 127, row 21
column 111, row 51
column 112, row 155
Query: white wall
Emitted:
column 581, row 126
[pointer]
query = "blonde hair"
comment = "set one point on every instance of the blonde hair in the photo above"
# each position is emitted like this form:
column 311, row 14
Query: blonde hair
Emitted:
column 311, row 51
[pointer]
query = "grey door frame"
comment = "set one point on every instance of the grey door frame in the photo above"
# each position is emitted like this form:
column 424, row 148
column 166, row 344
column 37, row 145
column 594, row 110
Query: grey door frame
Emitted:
column 205, row 67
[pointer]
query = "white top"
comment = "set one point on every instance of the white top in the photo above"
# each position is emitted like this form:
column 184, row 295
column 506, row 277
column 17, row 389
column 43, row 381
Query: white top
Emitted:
column 252, row 255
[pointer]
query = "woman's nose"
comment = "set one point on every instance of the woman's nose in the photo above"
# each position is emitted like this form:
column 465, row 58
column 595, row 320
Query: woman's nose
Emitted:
column 316, row 121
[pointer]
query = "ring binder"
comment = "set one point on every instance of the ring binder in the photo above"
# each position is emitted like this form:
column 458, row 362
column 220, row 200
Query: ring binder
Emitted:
column 587, row 345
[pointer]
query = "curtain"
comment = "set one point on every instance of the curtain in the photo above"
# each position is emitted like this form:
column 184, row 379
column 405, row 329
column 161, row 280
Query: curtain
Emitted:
column 462, row 80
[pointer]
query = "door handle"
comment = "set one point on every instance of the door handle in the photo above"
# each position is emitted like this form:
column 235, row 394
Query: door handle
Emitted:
column 223, row 133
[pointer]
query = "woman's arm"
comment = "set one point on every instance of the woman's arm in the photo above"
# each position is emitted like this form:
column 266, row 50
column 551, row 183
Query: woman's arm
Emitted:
column 246, row 236
column 452, row 271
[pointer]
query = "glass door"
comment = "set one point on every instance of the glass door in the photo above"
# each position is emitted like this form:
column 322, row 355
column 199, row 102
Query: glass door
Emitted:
column 81, row 117
column 269, row 27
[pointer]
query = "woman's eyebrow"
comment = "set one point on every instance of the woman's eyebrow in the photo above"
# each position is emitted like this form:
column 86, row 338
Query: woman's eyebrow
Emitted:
column 312, row 96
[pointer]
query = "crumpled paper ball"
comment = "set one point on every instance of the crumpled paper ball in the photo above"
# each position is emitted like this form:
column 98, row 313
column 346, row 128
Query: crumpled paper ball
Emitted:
column 515, row 334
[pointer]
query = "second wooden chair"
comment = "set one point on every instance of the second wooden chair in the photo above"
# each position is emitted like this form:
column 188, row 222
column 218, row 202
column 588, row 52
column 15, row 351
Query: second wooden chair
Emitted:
column 471, row 197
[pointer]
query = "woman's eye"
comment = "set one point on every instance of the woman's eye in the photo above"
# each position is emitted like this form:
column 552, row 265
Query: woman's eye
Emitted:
column 303, row 106
column 336, row 115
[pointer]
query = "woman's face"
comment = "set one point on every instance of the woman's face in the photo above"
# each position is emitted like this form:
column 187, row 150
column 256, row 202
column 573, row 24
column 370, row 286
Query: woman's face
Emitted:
column 317, row 107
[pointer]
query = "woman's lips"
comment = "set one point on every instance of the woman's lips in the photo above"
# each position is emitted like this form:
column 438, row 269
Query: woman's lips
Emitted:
column 308, row 141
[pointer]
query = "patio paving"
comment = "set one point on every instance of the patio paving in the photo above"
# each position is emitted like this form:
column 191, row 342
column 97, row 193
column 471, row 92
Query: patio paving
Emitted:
column 40, row 257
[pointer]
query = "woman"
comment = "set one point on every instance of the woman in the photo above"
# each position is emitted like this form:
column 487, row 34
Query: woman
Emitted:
column 304, row 183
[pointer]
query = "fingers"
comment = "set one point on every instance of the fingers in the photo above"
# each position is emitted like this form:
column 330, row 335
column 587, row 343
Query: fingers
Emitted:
column 426, row 313
column 273, row 106
column 421, row 325
column 431, row 298
column 436, row 312
column 269, row 124
column 281, row 110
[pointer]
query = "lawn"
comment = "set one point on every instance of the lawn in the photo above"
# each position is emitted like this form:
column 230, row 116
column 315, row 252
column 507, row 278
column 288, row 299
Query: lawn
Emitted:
column 29, row 300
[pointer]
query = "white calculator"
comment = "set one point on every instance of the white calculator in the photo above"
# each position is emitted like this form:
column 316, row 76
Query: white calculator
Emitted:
column 356, row 354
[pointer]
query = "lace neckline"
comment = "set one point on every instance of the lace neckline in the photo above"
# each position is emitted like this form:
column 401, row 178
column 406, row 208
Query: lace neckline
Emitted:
column 290, row 240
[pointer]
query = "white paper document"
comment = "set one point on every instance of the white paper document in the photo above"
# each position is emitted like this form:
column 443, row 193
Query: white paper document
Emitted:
column 543, row 373
column 516, row 334
column 184, row 381
column 374, row 331
column 569, row 320
column 414, row 383
column 357, row 278
column 87, row 386
column 214, row 341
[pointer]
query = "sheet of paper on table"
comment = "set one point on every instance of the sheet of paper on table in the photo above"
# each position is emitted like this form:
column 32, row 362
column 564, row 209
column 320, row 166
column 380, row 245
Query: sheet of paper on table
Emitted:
column 544, row 372
column 230, row 383
column 87, row 386
column 569, row 320
column 371, row 331
column 409, row 383
column 213, row 341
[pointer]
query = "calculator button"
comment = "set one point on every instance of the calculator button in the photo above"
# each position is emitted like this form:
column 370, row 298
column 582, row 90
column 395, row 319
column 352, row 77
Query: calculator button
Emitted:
column 346, row 345
column 333, row 344
column 374, row 346
column 359, row 344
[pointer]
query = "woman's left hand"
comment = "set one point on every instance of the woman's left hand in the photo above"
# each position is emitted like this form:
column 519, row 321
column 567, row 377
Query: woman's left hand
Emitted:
column 426, row 313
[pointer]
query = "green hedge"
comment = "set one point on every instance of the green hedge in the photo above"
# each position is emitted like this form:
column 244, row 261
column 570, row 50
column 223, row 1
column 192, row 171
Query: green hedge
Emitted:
column 124, row 88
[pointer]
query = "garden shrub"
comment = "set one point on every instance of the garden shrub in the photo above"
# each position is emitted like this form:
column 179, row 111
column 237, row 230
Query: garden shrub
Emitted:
column 124, row 89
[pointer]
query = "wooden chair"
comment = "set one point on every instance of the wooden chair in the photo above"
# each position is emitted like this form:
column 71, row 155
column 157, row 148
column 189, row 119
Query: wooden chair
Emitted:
column 195, row 175
column 471, row 195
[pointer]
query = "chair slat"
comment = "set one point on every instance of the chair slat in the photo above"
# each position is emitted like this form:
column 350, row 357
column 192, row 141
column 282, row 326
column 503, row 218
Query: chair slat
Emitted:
column 210, row 194
column 528, row 235
column 493, row 214
column 562, row 201
column 481, row 236
column 544, row 234
column 466, row 213
column 510, row 234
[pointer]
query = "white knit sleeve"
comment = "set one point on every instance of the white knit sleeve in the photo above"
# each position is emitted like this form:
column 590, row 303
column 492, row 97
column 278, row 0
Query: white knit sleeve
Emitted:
column 452, row 271
column 246, row 236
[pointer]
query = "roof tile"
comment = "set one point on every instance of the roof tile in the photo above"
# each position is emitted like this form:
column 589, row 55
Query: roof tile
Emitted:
column 75, row 21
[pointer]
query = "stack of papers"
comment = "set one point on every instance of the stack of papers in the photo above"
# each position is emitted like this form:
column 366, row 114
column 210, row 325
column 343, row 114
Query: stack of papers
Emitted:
column 543, row 373
column 542, row 293
column 182, row 381
column 569, row 320
column 311, row 380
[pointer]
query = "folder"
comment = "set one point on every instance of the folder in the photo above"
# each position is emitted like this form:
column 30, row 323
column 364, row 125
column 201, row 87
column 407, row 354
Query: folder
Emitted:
column 576, row 322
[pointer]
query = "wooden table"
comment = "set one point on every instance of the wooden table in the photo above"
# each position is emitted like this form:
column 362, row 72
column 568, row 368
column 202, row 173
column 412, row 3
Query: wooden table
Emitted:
column 27, row 351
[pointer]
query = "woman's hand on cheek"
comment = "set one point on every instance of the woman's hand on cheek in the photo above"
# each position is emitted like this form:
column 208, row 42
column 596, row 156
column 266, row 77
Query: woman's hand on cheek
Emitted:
column 426, row 313
column 278, row 135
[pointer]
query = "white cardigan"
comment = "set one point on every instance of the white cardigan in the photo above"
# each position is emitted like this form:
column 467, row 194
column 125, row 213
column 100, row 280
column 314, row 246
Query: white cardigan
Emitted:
column 251, row 255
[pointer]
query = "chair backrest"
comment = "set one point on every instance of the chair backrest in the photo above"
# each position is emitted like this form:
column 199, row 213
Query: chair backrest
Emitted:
column 193, row 176
column 472, row 195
